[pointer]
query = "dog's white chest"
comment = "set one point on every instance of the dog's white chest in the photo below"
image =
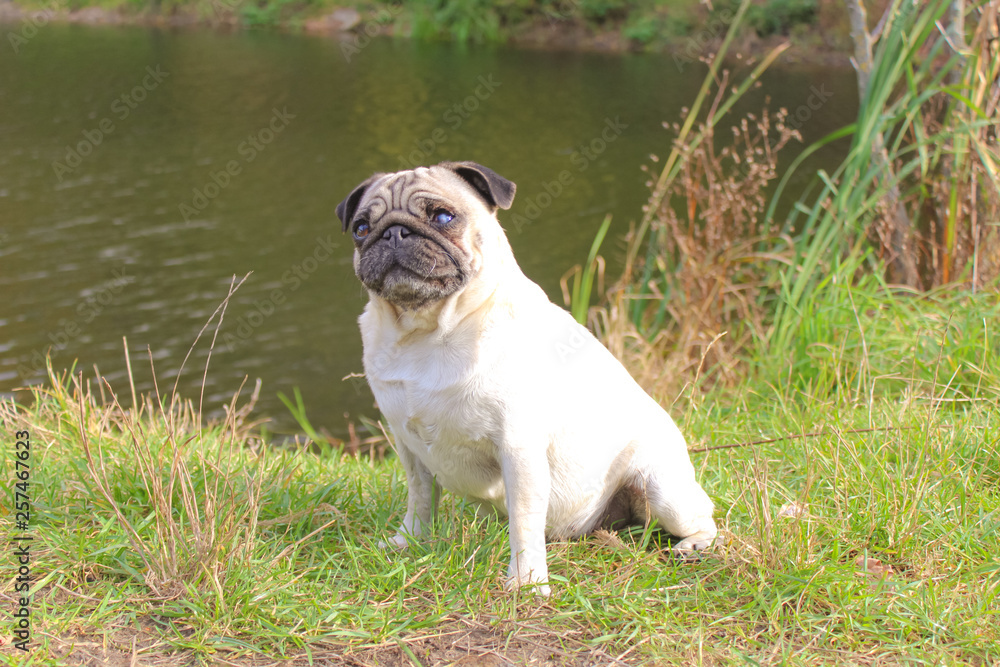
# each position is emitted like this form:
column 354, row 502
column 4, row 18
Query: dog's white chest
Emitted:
column 440, row 416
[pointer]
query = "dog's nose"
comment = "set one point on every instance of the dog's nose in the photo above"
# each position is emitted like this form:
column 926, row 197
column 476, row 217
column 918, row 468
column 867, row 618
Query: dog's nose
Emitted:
column 396, row 234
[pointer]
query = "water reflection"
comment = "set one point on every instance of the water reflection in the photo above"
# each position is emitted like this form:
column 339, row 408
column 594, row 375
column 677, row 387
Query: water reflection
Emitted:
column 141, row 236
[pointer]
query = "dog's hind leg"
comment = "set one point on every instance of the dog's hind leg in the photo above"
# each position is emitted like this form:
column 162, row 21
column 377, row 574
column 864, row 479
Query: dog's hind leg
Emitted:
column 679, row 505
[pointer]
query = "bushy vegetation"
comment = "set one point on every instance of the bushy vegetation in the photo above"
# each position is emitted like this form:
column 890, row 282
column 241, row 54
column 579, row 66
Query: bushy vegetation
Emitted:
column 774, row 17
column 642, row 22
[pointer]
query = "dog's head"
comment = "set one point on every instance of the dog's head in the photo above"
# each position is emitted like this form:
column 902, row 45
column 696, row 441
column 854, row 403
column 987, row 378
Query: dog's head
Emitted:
column 419, row 234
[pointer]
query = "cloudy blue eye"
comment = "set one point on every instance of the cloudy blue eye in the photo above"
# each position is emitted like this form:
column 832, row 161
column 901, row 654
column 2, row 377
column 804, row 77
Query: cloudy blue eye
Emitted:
column 442, row 217
column 361, row 230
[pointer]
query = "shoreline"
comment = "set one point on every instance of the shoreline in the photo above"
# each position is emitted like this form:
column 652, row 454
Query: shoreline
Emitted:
column 349, row 27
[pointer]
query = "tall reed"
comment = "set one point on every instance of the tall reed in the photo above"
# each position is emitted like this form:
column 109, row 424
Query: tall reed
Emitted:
column 848, row 226
column 709, row 285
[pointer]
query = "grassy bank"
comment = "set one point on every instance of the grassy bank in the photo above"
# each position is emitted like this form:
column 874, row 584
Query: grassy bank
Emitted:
column 818, row 25
column 871, row 541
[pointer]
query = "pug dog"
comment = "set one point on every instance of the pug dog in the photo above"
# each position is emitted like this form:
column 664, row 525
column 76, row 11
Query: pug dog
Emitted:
column 495, row 393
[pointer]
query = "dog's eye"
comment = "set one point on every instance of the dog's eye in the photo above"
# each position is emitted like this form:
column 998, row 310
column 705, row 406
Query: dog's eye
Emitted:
column 442, row 217
column 361, row 230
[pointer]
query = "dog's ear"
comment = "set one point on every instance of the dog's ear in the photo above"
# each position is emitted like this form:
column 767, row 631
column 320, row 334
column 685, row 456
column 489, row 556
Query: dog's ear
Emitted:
column 347, row 208
column 494, row 188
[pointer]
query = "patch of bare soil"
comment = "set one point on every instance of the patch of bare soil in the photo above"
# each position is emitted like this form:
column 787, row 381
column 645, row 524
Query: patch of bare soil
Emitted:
column 459, row 642
column 470, row 643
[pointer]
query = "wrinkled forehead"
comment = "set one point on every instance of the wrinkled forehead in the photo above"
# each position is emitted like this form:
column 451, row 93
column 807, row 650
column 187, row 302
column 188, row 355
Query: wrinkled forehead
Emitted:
column 416, row 191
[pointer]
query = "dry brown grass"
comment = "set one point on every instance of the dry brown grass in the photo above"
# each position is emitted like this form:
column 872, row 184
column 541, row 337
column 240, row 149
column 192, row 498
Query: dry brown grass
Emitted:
column 957, row 198
column 711, row 264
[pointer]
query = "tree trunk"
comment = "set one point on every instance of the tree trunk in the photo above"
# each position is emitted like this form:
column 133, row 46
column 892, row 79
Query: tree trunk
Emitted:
column 902, row 259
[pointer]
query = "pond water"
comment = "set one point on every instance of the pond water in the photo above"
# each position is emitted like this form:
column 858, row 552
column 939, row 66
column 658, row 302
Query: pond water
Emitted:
column 141, row 169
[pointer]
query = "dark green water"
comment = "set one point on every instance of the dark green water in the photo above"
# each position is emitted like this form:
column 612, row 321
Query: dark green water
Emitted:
column 141, row 169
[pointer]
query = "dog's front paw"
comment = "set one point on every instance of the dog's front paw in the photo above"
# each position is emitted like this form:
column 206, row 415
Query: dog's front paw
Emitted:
column 397, row 541
column 521, row 574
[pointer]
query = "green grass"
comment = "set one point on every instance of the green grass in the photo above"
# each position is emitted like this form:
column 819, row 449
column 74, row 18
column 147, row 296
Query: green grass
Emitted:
column 229, row 549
